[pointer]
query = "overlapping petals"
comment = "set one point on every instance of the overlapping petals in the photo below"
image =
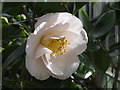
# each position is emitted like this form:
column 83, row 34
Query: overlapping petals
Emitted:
column 42, row 61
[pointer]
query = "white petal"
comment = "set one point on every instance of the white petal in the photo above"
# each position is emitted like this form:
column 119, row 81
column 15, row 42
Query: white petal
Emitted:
column 41, row 50
column 80, row 44
column 32, row 44
column 70, row 36
column 58, row 28
column 52, row 19
column 53, row 68
column 64, row 65
column 37, row 68
column 75, row 25
column 39, row 28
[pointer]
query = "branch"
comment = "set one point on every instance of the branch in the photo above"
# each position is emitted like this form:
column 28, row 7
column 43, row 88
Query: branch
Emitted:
column 111, row 77
column 8, row 39
column 65, row 7
column 31, row 20
column 116, row 76
column 114, row 8
column 78, row 82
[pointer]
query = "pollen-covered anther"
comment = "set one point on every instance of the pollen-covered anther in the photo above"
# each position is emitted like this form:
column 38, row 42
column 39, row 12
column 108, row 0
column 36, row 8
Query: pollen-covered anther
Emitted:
column 57, row 44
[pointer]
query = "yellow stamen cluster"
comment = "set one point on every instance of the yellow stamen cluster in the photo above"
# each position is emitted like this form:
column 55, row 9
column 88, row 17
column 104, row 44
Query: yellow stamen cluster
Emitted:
column 56, row 44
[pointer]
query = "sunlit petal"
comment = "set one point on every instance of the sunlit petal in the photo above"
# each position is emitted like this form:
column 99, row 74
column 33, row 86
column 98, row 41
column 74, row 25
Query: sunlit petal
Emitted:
column 37, row 68
column 64, row 65
column 41, row 51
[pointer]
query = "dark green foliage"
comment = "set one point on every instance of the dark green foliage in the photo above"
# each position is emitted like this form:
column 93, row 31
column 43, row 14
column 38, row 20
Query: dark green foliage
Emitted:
column 18, row 21
column 102, row 25
column 101, row 59
column 85, row 19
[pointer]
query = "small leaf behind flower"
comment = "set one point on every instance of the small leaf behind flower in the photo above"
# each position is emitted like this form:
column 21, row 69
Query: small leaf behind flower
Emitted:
column 104, row 24
column 14, row 55
column 101, row 59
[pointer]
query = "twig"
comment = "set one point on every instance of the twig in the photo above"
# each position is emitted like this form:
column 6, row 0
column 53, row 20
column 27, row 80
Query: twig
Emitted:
column 17, row 36
column 115, row 8
column 78, row 82
column 65, row 7
column 105, row 86
column 31, row 20
column 116, row 76
column 111, row 77
column 94, row 19
column 6, row 40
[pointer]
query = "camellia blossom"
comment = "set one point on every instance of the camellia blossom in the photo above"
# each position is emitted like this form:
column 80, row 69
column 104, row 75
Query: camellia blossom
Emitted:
column 53, row 47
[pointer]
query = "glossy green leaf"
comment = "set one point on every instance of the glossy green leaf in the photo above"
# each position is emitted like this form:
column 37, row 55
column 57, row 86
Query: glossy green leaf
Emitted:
column 16, row 27
column 101, row 60
column 82, row 71
column 84, row 67
column 116, row 7
column 7, row 50
column 10, row 30
column 16, row 66
column 104, row 24
column 85, row 20
column 14, row 55
column 84, row 58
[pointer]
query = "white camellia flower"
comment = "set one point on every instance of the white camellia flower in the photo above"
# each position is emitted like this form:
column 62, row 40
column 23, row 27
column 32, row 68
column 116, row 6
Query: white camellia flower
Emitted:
column 53, row 47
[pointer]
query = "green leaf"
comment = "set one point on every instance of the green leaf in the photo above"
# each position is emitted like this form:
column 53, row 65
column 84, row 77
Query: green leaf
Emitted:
column 42, row 8
column 116, row 6
column 114, row 46
column 11, row 83
column 28, row 84
column 86, row 60
column 1, row 49
column 68, row 83
column 13, row 8
column 14, row 55
column 8, row 83
column 78, row 5
column 117, row 17
column 84, row 68
column 85, row 19
column 15, row 66
column 101, row 59
column 104, row 24
column 10, row 30
column 6, row 52
column 92, row 46
column 82, row 71
column 70, row 6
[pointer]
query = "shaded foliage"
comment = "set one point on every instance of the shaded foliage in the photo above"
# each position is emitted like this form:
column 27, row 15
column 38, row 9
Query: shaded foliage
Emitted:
column 18, row 21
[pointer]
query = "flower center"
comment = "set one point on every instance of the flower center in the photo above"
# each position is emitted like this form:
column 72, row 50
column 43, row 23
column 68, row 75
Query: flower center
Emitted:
column 56, row 43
